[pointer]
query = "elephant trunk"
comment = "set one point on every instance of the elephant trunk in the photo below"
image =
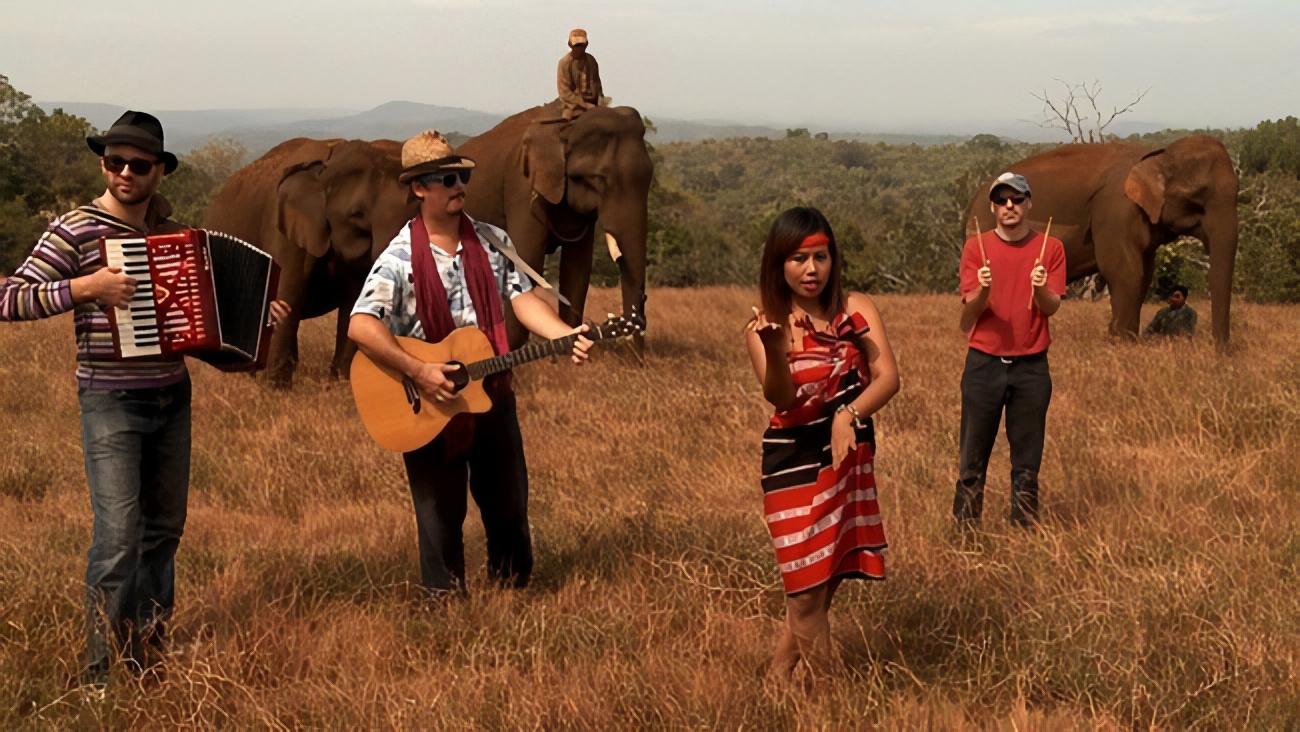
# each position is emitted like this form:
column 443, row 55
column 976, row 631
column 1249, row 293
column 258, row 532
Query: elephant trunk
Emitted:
column 1221, row 241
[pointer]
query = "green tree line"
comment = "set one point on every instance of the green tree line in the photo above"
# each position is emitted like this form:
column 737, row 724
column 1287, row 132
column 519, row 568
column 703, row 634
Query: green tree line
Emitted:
column 896, row 209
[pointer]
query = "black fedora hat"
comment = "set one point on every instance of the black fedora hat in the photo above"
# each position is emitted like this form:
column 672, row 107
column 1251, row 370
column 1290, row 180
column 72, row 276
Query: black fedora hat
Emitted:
column 141, row 129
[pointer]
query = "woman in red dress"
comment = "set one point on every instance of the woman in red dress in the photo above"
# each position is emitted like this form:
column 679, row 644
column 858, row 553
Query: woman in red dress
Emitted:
column 826, row 366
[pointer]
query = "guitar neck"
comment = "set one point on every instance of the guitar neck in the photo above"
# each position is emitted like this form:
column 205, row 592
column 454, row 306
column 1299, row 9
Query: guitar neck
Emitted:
column 530, row 352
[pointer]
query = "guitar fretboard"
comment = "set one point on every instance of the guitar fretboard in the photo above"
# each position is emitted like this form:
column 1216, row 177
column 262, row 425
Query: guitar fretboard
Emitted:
column 530, row 352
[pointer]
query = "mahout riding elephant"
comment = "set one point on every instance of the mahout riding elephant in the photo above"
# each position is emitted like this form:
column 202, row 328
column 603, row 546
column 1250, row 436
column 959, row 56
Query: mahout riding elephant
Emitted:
column 546, row 181
column 1114, row 204
column 324, row 209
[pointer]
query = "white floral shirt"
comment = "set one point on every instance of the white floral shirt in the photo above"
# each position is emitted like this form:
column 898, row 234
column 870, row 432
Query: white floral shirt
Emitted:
column 389, row 292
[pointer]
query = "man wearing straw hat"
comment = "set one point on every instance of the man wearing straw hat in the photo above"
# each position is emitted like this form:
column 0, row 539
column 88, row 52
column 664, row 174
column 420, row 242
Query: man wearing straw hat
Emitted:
column 440, row 273
column 578, row 77
column 1011, row 280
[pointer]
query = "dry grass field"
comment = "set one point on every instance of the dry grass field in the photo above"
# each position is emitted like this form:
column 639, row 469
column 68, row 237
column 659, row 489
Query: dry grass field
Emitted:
column 1161, row 591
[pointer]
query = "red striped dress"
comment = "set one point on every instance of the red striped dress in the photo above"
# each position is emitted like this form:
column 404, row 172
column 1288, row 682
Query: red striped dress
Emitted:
column 824, row 522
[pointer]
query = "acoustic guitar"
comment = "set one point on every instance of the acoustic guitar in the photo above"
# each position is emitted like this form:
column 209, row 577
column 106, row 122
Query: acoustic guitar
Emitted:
column 398, row 416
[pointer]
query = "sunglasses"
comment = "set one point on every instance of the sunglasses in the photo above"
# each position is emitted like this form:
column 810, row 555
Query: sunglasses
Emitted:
column 448, row 180
column 138, row 166
column 1001, row 199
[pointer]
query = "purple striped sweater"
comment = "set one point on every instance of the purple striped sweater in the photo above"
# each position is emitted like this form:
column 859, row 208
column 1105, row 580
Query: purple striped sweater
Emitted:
column 42, row 287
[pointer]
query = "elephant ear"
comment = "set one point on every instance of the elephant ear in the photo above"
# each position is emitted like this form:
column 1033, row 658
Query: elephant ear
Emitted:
column 543, row 160
column 1145, row 184
column 301, row 216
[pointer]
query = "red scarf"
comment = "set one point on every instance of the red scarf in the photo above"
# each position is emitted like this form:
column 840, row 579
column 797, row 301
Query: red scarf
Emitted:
column 431, row 297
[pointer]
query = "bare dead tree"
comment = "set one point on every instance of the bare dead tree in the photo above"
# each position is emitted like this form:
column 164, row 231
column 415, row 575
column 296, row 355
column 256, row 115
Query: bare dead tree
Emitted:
column 1066, row 113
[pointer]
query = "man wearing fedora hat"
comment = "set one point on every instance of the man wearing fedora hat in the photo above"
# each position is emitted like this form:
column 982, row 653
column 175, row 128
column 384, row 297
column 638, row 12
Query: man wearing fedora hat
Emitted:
column 439, row 273
column 578, row 77
column 135, row 414
column 1012, row 280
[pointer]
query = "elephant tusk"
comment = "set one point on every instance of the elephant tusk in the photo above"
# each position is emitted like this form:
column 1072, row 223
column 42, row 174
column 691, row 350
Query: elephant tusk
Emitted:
column 614, row 252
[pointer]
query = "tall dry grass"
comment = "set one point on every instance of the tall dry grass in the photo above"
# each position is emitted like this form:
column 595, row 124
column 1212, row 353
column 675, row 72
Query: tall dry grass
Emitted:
column 1160, row 591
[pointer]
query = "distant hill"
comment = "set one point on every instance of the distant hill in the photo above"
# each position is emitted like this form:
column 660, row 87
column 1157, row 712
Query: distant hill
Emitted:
column 899, row 138
column 187, row 129
column 391, row 121
column 399, row 120
column 260, row 129
column 676, row 130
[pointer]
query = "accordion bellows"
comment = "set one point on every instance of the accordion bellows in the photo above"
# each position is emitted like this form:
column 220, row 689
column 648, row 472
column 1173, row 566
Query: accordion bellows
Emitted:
column 198, row 293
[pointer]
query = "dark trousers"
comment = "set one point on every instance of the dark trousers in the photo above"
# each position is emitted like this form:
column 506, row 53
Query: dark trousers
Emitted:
column 493, row 466
column 1023, row 387
column 136, row 445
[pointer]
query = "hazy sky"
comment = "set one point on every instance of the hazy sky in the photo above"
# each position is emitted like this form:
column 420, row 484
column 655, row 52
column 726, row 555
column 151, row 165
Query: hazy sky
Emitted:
column 909, row 65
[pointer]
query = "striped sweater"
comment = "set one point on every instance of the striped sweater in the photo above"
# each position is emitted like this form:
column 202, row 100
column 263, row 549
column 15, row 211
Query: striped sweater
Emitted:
column 42, row 287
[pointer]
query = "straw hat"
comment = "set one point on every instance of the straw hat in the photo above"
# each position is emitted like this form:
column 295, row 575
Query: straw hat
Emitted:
column 429, row 152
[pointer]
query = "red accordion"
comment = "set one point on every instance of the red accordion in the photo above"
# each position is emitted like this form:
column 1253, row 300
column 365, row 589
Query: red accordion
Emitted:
column 198, row 293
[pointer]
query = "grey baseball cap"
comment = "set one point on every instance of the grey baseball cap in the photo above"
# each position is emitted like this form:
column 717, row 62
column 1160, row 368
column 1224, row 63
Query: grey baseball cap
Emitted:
column 1011, row 180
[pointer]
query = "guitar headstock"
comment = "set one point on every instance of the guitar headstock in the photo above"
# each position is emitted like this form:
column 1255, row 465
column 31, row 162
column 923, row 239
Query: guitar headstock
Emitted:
column 619, row 326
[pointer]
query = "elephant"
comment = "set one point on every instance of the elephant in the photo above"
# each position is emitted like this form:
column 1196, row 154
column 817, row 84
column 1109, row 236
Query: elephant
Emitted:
column 546, row 182
column 324, row 210
column 1114, row 204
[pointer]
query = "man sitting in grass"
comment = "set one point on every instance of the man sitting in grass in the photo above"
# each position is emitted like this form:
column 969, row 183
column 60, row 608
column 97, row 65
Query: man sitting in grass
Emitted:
column 1175, row 319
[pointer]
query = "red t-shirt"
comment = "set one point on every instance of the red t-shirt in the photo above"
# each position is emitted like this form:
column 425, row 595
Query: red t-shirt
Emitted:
column 1007, row 327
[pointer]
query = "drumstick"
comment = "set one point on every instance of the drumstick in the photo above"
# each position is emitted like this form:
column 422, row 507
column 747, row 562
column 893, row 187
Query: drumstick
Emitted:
column 1041, row 251
column 979, row 237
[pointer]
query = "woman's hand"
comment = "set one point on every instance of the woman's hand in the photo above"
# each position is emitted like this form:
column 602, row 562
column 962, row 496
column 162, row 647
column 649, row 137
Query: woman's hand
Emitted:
column 843, row 437
column 768, row 332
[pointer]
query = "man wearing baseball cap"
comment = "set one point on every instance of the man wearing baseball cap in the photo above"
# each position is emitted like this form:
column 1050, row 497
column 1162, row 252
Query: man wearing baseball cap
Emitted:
column 1011, row 280
column 440, row 273
column 578, row 77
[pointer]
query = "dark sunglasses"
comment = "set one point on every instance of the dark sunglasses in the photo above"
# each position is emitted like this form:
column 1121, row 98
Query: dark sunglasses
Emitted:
column 1001, row 199
column 448, row 180
column 139, row 166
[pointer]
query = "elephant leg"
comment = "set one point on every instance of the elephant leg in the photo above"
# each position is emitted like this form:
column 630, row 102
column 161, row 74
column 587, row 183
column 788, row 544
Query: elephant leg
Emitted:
column 1127, row 271
column 344, row 348
column 575, row 279
column 283, row 358
column 530, row 238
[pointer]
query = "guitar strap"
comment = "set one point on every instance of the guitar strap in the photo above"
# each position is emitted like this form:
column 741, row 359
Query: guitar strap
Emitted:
column 512, row 254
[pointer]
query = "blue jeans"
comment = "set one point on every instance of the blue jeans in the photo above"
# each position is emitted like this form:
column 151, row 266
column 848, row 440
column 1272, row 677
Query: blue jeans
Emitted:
column 137, row 450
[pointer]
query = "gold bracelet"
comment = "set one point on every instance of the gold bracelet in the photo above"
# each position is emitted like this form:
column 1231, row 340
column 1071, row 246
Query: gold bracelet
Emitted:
column 846, row 407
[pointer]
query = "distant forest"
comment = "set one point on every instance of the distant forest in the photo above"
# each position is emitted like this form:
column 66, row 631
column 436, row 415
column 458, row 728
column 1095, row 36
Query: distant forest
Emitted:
column 896, row 209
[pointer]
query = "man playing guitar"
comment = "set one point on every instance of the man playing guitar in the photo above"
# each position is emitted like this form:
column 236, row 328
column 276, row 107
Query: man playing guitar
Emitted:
column 439, row 273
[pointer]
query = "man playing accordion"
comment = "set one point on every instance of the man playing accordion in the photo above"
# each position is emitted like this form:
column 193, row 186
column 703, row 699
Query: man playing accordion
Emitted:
column 135, row 413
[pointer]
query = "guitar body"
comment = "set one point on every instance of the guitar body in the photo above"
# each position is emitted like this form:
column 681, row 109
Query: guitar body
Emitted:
column 381, row 393
column 400, row 418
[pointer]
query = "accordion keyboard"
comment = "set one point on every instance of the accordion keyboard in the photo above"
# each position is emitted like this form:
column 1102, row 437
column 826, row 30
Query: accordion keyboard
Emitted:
column 137, row 326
